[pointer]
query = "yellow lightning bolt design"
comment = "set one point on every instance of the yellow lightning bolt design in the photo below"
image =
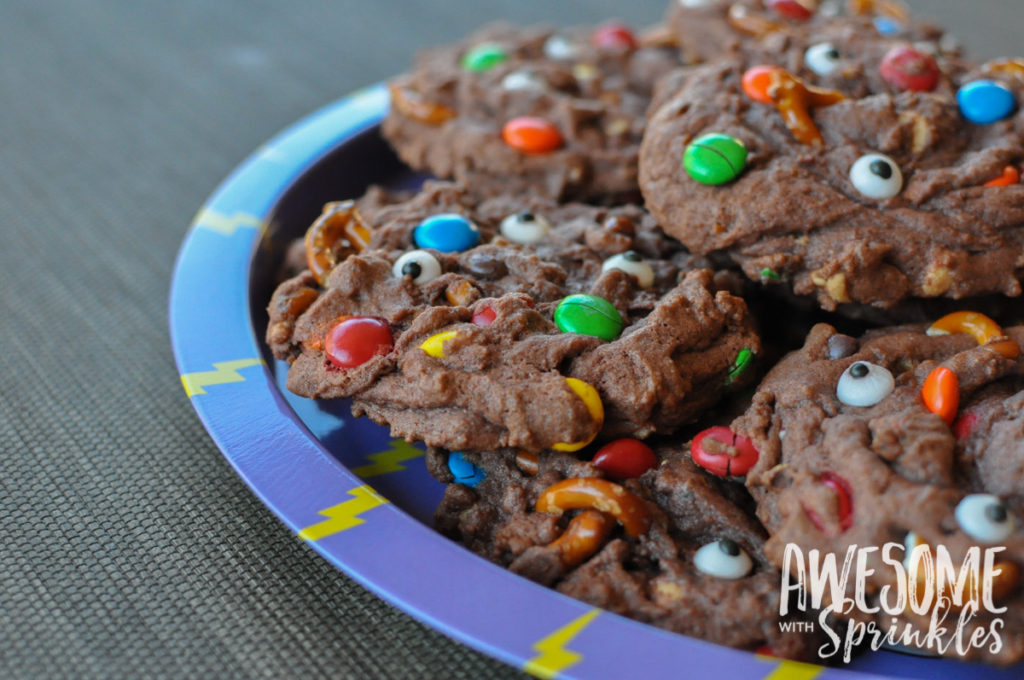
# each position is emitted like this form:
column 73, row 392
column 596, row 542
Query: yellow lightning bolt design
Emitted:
column 225, row 224
column 344, row 516
column 390, row 460
column 792, row 670
column 553, row 657
column 224, row 372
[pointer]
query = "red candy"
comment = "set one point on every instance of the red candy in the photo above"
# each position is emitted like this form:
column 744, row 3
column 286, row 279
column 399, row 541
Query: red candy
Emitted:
column 964, row 424
column 531, row 135
column 613, row 37
column 844, row 501
column 908, row 69
column 800, row 10
column 756, row 82
column 484, row 316
column 625, row 458
column 1009, row 177
column 721, row 451
column 354, row 340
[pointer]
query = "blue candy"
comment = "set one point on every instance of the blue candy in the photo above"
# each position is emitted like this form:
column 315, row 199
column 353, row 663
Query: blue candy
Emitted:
column 448, row 233
column 464, row 471
column 985, row 101
column 886, row 26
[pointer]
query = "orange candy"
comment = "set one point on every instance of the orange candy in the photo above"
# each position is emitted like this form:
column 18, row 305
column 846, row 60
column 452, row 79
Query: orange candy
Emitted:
column 757, row 81
column 531, row 135
column 1009, row 177
column 941, row 393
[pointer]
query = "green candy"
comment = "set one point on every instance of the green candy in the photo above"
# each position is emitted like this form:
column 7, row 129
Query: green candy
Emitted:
column 739, row 367
column 588, row 315
column 770, row 274
column 715, row 159
column 484, row 56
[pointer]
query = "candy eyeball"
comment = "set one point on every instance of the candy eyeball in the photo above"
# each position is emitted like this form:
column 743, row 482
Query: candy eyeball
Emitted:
column 521, row 80
column 419, row 264
column 525, row 227
column 864, row 384
column 823, row 58
column 984, row 517
column 558, row 48
column 723, row 559
column 631, row 263
column 876, row 176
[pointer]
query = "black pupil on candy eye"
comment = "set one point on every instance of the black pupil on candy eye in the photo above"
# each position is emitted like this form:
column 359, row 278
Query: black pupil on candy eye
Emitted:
column 526, row 217
column 729, row 547
column 412, row 269
column 833, row 54
column 996, row 512
column 631, row 256
column 859, row 370
column 881, row 169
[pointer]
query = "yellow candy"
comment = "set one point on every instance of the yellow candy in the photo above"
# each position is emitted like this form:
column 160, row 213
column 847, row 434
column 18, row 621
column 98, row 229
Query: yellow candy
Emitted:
column 434, row 345
column 592, row 399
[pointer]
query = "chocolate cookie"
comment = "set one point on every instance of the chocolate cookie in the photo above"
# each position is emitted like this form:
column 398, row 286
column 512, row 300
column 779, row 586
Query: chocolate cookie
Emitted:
column 910, row 435
column 669, row 545
column 531, row 110
column 509, row 322
column 867, row 200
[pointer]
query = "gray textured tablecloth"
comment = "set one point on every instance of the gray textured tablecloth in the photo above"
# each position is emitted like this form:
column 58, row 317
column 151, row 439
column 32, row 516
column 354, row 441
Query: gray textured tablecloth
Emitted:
column 128, row 547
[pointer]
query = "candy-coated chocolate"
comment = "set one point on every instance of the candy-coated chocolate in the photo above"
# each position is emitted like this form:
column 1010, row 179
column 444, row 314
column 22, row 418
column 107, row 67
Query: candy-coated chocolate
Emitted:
column 613, row 37
column 844, row 502
column 592, row 400
column 941, row 393
column 757, row 81
column 985, row 101
column 743, row 360
column 798, row 10
column 354, row 340
column 906, row 68
column 888, row 26
column 448, row 233
column 625, row 458
column 484, row 316
column 963, row 425
column 588, row 315
column 531, row 135
column 722, row 452
column 464, row 471
column 715, row 159
column 484, row 56
column 434, row 345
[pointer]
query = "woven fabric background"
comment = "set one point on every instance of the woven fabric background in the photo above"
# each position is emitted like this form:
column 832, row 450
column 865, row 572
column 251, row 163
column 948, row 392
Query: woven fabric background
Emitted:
column 128, row 548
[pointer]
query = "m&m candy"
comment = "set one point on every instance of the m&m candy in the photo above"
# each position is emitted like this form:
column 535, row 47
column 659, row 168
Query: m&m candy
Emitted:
column 905, row 68
column 483, row 57
column 715, row 159
column 985, row 101
column 449, row 233
column 588, row 315
column 354, row 340
column 531, row 135
column 464, row 472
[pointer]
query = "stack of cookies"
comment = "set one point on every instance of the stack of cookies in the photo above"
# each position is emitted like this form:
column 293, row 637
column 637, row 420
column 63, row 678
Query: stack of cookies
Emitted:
column 647, row 318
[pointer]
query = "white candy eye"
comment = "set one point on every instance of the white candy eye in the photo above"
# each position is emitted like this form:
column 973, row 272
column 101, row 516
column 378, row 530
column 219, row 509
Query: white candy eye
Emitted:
column 723, row 559
column 864, row 384
column 984, row 517
column 558, row 48
column 822, row 58
column 522, row 80
column 876, row 176
column 525, row 227
column 419, row 264
column 631, row 263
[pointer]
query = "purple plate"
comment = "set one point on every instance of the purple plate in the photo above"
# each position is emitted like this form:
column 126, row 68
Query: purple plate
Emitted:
column 361, row 499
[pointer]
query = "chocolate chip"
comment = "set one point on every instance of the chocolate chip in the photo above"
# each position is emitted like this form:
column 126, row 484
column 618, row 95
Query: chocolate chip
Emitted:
column 841, row 346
